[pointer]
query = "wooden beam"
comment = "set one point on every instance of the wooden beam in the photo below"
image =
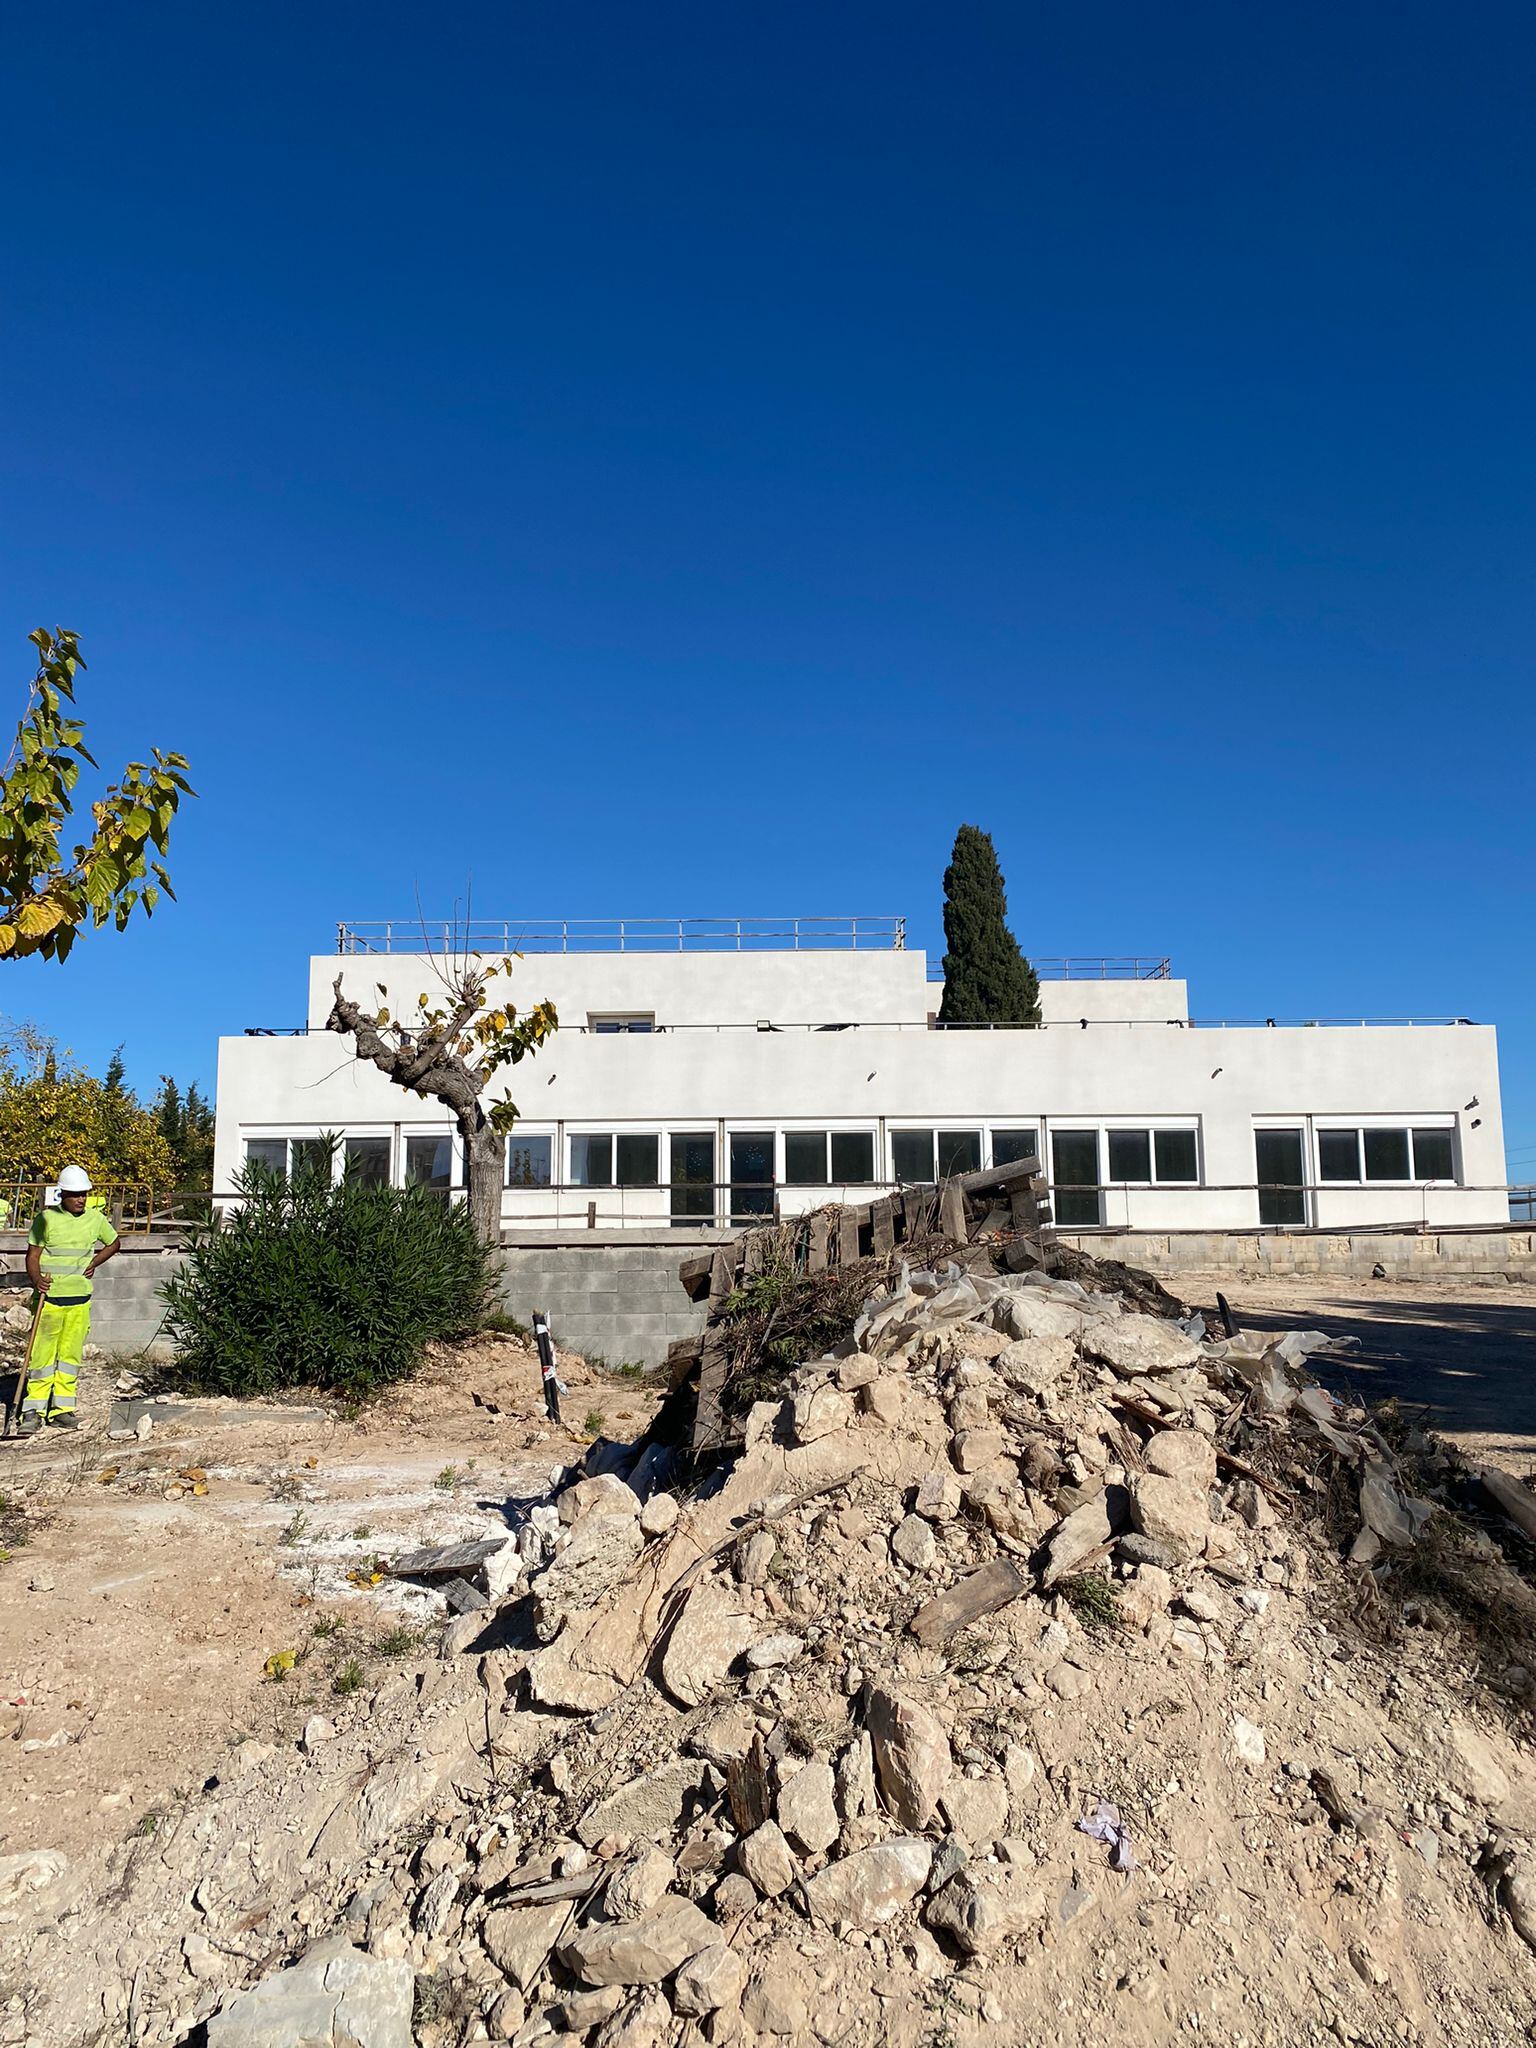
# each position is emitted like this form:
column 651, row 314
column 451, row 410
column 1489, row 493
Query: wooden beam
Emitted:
column 980, row 1593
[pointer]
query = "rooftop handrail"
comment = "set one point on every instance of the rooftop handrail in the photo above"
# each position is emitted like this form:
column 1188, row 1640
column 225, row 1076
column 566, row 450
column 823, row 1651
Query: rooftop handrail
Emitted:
column 624, row 935
column 1090, row 967
column 830, row 1026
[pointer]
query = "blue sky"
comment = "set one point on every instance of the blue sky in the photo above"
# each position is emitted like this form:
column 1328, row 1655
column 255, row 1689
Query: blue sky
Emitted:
column 688, row 459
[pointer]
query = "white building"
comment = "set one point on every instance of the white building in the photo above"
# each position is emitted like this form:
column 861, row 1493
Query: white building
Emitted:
column 708, row 1070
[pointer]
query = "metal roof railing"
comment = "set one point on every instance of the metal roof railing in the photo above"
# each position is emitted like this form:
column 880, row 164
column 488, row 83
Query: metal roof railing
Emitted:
column 1090, row 967
column 625, row 935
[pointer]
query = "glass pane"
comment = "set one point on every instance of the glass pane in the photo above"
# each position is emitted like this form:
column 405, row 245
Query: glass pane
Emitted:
column 429, row 1162
column 1075, row 1162
column 1338, row 1155
column 530, row 1161
column 636, row 1158
column 805, row 1159
column 693, row 1176
column 751, row 1175
column 607, row 1026
column 1282, row 1198
column 367, row 1161
column 1011, row 1146
column 959, row 1152
column 1434, row 1155
column 310, row 1156
column 1175, row 1154
column 592, row 1160
column 1386, row 1155
column 912, row 1154
column 1130, row 1155
column 853, row 1157
column 272, row 1153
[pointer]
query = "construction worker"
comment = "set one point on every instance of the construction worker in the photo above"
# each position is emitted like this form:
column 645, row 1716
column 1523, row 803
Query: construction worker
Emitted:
column 68, row 1245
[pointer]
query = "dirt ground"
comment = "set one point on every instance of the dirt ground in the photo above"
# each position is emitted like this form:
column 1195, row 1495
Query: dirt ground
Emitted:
column 137, row 1612
column 1466, row 1353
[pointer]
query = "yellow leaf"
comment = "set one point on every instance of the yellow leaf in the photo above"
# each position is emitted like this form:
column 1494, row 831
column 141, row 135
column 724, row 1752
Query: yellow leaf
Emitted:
column 279, row 1664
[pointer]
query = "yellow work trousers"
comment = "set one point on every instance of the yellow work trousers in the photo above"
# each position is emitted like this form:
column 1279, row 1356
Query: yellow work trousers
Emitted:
column 56, row 1355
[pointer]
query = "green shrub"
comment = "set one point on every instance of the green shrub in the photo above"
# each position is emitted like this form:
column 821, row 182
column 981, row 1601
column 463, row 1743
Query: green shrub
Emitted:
column 315, row 1283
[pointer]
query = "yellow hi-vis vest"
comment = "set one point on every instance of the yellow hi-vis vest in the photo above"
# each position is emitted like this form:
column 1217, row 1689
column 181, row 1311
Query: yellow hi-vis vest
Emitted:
column 68, row 1244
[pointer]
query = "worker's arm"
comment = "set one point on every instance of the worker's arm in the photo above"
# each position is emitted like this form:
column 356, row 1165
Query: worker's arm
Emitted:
column 107, row 1251
column 41, row 1281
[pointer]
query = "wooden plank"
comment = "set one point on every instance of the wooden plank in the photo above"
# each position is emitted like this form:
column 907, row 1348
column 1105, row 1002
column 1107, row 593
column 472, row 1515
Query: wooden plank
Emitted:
column 694, row 1275
column 722, row 1272
column 882, row 1226
column 1512, row 1499
column 818, row 1233
column 748, row 1789
column 709, row 1429
column 981, row 1593
column 952, row 1212
column 447, row 1561
column 847, row 1237
column 683, row 1355
column 755, row 1253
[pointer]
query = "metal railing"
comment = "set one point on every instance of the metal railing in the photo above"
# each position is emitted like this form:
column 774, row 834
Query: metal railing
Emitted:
column 772, row 1027
column 1090, row 967
column 625, row 935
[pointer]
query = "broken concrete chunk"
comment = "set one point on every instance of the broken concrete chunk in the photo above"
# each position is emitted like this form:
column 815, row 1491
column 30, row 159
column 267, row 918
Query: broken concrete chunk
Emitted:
column 870, row 1886
column 1033, row 1365
column 1183, row 1454
column 337, row 1997
column 602, row 1547
column 912, row 1759
column 643, row 1951
column 606, row 1494
column 1174, row 1514
column 819, row 1413
column 1133, row 1345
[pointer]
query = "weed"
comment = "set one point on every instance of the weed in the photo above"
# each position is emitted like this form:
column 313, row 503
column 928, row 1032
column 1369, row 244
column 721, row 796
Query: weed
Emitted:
column 1093, row 1600
column 326, row 1626
column 396, row 1642
column 499, row 1325
column 348, row 1679
column 447, row 1479
column 362, row 1532
column 594, row 1422
column 149, row 1823
column 295, row 1532
column 286, row 1486
column 631, row 1369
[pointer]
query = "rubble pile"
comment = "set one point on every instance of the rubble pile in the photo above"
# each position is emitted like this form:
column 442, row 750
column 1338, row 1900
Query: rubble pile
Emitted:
column 1005, row 1681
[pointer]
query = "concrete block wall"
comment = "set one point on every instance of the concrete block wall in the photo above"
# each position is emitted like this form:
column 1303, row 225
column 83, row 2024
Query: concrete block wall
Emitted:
column 126, row 1308
column 1491, row 1257
column 623, row 1302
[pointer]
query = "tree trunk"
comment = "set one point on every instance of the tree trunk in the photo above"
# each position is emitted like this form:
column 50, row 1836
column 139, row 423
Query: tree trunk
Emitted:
column 484, row 1151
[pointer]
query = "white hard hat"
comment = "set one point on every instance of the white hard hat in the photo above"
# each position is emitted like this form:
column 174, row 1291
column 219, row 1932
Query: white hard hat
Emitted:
column 74, row 1180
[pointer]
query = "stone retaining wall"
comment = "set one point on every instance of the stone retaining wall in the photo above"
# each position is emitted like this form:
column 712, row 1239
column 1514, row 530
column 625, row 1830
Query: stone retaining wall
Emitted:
column 1492, row 1257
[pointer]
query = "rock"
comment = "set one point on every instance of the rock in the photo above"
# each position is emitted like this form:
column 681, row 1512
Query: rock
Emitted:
column 1077, row 1537
column 870, row 1886
column 912, row 1759
column 980, row 1910
column 580, row 2011
column 1248, row 1742
column 642, row 1951
column 317, row 1730
column 735, row 1896
column 819, row 1413
column 775, row 1651
column 1518, row 1893
column 637, row 1888
column 1069, row 1681
column 774, row 2005
column 767, row 1859
column 434, row 1904
column 1074, row 1901
column 659, row 1514
column 915, row 1543
column 806, row 1810
column 855, row 1777
column 1475, row 1767
column 518, row 1939
column 1150, row 1593
column 712, row 1978
column 708, row 1637
column 884, row 1401
column 938, row 1497
column 41, row 1581
column 647, row 1806
column 605, row 1495
column 1173, row 1513
column 1183, row 1454
column 28, row 1872
column 1031, row 1312
column 1034, row 1364
column 976, row 1809
column 602, row 1547
column 858, row 1371
column 726, row 1735
column 970, row 1409
column 973, row 1448
column 506, row 2017
column 754, row 1558
column 1136, row 1549
column 646, row 2022
column 337, row 1997
column 949, row 1859
column 1134, row 1345
column 1201, row 1604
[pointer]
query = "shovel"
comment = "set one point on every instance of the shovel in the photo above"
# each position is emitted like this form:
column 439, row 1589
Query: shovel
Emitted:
column 19, row 1383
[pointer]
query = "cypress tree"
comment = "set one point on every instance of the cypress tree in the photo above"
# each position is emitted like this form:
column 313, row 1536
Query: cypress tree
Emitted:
column 987, row 980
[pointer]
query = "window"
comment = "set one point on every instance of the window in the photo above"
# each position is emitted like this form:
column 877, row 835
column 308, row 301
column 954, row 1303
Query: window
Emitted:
column 291, row 1156
column 269, row 1153
column 814, row 1159
column 366, row 1160
column 608, row 1027
column 1011, row 1146
column 1386, row 1153
column 912, row 1154
column 429, row 1163
column 1152, row 1156
column 934, row 1155
column 1075, row 1177
column 530, row 1161
column 959, row 1152
column 603, row 1160
column 1434, row 1155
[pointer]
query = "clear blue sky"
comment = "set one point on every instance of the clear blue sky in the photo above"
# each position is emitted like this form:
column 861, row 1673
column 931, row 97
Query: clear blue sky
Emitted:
column 688, row 458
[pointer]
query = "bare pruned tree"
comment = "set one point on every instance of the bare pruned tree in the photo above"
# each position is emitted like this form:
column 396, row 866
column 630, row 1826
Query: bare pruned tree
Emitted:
column 451, row 1051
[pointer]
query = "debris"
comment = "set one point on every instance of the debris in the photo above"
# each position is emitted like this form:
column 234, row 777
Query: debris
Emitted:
column 980, row 1593
column 1105, row 1825
column 337, row 1997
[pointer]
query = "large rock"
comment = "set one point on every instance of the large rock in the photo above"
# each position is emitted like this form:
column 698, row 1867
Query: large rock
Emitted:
column 1025, row 1312
column 649, row 1806
column 1137, row 1345
column 807, row 1810
column 1077, row 1537
column 974, row 1448
column 976, row 1809
column 606, row 1494
column 709, row 1980
column 820, row 1412
column 767, row 1860
column 980, row 1910
column 1033, row 1365
column 640, row 1885
column 602, row 1547
column 1184, row 1454
column 912, row 1756
column 870, row 1886
column 639, row 1951
column 708, row 1637
column 518, row 1939
column 1174, row 1514
column 337, row 1997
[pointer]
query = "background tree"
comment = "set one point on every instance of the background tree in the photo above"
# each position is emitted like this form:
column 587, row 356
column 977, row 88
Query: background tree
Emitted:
column 46, row 896
column 987, row 980
column 451, row 1051
column 54, row 1114
column 185, row 1121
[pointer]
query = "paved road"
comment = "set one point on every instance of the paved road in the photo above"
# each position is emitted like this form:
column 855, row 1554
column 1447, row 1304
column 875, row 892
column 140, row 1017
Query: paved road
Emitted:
column 1466, row 1353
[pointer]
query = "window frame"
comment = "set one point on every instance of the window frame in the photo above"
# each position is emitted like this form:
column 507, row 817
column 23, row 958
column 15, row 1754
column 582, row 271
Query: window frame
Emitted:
column 622, row 1023
column 829, row 1134
column 1409, row 1131
column 613, row 1135
column 520, row 1136
column 1151, row 1132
